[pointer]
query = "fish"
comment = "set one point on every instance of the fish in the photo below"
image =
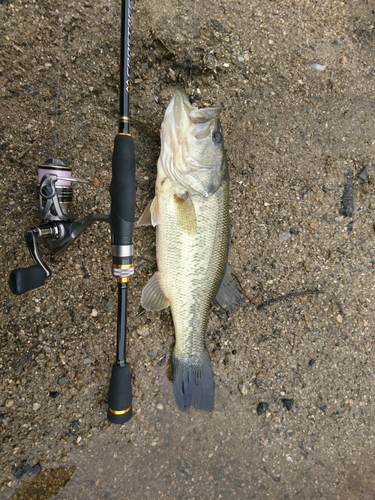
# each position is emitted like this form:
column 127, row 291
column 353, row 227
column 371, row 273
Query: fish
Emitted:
column 190, row 211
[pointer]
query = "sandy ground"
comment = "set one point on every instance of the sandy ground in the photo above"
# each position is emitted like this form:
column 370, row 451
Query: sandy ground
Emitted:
column 296, row 80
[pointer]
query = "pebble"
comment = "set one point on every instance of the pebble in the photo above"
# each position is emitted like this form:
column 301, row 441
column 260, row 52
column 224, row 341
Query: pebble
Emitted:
column 284, row 237
column 160, row 406
column 349, row 227
column 339, row 318
column 363, row 175
column 143, row 331
column 172, row 74
column 318, row 67
column 36, row 406
column 74, row 427
column 262, row 407
column 288, row 403
column 243, row 387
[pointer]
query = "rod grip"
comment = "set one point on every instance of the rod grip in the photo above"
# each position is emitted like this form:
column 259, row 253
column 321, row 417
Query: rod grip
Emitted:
column 122, row 190
column 120, row 395
column 22, row 280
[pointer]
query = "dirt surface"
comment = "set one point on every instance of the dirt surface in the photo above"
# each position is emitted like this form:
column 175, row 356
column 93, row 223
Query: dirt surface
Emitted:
column 297, row 83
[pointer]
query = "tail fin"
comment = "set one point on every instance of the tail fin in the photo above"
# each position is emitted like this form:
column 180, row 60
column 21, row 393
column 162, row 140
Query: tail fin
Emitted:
column 193, row 382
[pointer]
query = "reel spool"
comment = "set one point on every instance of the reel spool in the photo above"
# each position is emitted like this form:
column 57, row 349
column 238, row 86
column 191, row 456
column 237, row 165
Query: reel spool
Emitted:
column 59, row 209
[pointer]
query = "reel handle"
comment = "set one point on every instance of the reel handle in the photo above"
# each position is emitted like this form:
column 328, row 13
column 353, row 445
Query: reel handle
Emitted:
column 22, row 280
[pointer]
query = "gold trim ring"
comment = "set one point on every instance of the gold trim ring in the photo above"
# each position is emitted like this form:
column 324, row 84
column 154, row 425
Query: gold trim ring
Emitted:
column 119, row 412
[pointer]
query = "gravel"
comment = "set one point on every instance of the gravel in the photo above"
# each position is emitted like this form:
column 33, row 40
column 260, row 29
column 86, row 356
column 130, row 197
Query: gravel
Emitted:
column 296, row 80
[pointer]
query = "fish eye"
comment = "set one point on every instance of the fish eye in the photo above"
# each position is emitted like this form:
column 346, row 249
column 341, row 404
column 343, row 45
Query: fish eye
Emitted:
column 217, row 137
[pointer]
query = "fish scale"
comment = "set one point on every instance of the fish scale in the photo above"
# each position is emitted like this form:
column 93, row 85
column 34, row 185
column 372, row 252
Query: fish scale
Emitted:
column 191, row 287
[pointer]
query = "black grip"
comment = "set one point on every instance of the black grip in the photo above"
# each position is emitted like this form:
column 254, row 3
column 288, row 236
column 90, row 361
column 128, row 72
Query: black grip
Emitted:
column 120, row 395
column 22, row 280
column 123, row 190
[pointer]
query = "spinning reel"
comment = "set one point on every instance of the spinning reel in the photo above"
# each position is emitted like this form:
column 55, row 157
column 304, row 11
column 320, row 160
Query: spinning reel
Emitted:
column 58, row 228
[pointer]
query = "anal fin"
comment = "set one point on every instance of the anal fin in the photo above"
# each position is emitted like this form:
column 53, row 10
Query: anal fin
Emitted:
column 228, row 296
column 153, row 298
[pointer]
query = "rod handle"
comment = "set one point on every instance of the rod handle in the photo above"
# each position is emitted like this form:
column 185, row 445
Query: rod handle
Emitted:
column 123, row 190
column 120, row 395
column 22, row 280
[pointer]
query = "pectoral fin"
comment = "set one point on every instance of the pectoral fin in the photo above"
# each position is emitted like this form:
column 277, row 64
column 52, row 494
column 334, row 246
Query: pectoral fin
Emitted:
column 150, row 215
column 186, row 213
column 228, row 296
column 153, row 298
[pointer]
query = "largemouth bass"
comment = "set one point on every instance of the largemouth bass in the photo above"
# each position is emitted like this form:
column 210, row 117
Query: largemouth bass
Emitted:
column 190, row 212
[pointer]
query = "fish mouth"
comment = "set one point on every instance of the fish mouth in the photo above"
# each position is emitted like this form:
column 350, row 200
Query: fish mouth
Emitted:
column 181, row 118
column 180, row 101
column 178, row 111
column 185, row 113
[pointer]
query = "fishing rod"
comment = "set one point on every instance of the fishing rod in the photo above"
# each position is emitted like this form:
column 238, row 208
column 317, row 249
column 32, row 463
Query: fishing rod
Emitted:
column 58, row 228
column 122, row 217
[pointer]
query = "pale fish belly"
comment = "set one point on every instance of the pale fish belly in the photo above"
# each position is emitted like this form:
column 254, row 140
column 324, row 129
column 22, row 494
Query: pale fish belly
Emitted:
column 191, row 265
